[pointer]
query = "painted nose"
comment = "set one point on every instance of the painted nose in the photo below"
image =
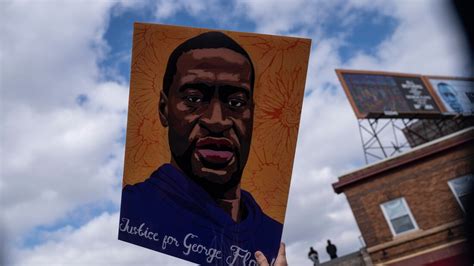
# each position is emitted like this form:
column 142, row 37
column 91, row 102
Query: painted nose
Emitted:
column 215, row 119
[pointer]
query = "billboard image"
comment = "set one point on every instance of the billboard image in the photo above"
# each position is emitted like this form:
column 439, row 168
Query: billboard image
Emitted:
column 456, row 94
column 212, row 124
column 381, row 94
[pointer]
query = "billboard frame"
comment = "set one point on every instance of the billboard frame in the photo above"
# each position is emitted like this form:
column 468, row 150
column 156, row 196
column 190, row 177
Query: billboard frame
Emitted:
column 426, row 80
column 360, row 115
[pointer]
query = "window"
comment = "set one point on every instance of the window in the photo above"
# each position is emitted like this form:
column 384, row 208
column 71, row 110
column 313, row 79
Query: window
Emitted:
column 398, row 216
column 460, row 187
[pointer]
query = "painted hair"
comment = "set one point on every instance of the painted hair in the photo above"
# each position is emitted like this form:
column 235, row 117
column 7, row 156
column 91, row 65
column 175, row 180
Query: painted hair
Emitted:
column 208, row 40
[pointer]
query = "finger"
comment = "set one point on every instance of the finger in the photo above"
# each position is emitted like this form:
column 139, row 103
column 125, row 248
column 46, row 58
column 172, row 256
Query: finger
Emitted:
column 281, row 258
column 261, row 260
column 282, row 250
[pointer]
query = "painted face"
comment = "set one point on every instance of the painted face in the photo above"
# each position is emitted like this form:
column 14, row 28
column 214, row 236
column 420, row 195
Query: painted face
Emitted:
column 210, row 115
column 446, row 93
column 449, row 97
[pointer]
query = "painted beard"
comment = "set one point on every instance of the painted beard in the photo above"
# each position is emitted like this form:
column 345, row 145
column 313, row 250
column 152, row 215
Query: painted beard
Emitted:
column 192, row 164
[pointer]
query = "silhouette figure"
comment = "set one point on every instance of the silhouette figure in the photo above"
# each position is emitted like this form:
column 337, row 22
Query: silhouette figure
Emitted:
column 313, row 256
column 331, row 250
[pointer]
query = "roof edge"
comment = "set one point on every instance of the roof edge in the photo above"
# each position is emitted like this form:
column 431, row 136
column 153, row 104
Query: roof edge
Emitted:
column 410, row 156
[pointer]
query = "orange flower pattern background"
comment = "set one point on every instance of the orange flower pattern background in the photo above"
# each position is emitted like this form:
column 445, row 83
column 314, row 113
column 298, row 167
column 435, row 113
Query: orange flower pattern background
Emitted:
column 280, row 67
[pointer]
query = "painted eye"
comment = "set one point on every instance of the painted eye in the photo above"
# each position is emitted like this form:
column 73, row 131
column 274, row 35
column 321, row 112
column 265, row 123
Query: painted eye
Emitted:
column 193, row 99
column 236, row 103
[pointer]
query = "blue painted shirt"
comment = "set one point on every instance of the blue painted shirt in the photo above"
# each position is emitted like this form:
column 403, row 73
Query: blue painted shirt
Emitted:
column 171, row 214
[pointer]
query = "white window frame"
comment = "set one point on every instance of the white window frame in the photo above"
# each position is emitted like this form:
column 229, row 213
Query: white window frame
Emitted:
column 454, row 191
column 412, row 219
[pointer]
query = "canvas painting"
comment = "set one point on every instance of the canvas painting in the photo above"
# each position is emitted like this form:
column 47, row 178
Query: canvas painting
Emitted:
column 212, row 127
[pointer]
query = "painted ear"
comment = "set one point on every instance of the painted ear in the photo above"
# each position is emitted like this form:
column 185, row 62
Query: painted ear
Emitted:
column 163, row 109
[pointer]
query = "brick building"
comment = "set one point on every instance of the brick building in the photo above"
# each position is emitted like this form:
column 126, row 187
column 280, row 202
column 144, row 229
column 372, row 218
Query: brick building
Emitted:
column 410, row 207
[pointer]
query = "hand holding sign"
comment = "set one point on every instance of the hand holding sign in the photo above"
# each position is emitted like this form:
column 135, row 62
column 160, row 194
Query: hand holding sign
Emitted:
column 280, row 261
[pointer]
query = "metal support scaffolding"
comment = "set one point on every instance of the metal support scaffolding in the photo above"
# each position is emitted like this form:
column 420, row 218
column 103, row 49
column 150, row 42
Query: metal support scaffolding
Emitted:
column 384, row 137
column 381, row 138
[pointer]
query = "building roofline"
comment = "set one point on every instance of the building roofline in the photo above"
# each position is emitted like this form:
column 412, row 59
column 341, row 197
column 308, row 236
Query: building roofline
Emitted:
column 409, row 156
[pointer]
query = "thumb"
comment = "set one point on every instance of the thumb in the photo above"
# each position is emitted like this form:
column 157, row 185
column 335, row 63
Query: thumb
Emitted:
column 281, row 258
column 261, row 260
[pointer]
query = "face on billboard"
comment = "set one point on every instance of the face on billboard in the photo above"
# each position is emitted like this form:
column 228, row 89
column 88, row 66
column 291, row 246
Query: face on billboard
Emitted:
column 447, row 93
column 456, row 94
column 209, row 112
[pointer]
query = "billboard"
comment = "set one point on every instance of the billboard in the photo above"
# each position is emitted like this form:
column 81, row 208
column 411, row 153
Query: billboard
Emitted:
column 374, row 94
column 455, row 94
column 211, row 135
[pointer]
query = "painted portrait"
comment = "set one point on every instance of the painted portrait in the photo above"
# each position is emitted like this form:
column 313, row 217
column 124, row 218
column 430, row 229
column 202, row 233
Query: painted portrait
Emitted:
column 456, row 94
column 211, row 135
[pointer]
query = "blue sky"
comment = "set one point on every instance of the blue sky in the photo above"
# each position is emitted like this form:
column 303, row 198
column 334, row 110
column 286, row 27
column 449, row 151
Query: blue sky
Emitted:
column 64, row 91
column 364, row 35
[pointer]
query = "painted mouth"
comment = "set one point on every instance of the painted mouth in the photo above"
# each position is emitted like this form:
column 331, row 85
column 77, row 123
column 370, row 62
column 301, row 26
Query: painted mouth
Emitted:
column 217, row 152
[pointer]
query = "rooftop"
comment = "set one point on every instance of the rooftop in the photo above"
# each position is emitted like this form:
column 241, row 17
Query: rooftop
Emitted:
column 417, row 153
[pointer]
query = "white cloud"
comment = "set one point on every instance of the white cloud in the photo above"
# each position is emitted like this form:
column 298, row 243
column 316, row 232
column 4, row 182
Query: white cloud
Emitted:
column 323, row 60
column 57, row 156
column 426, row 41
column 50, row 50
column 328, row 134
column 95, row 243
column 57, row 160
column 277, row 16
column 328, row 145
column 217, row 11
column 314, row 16
column 167, row 8
column 311, row 222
